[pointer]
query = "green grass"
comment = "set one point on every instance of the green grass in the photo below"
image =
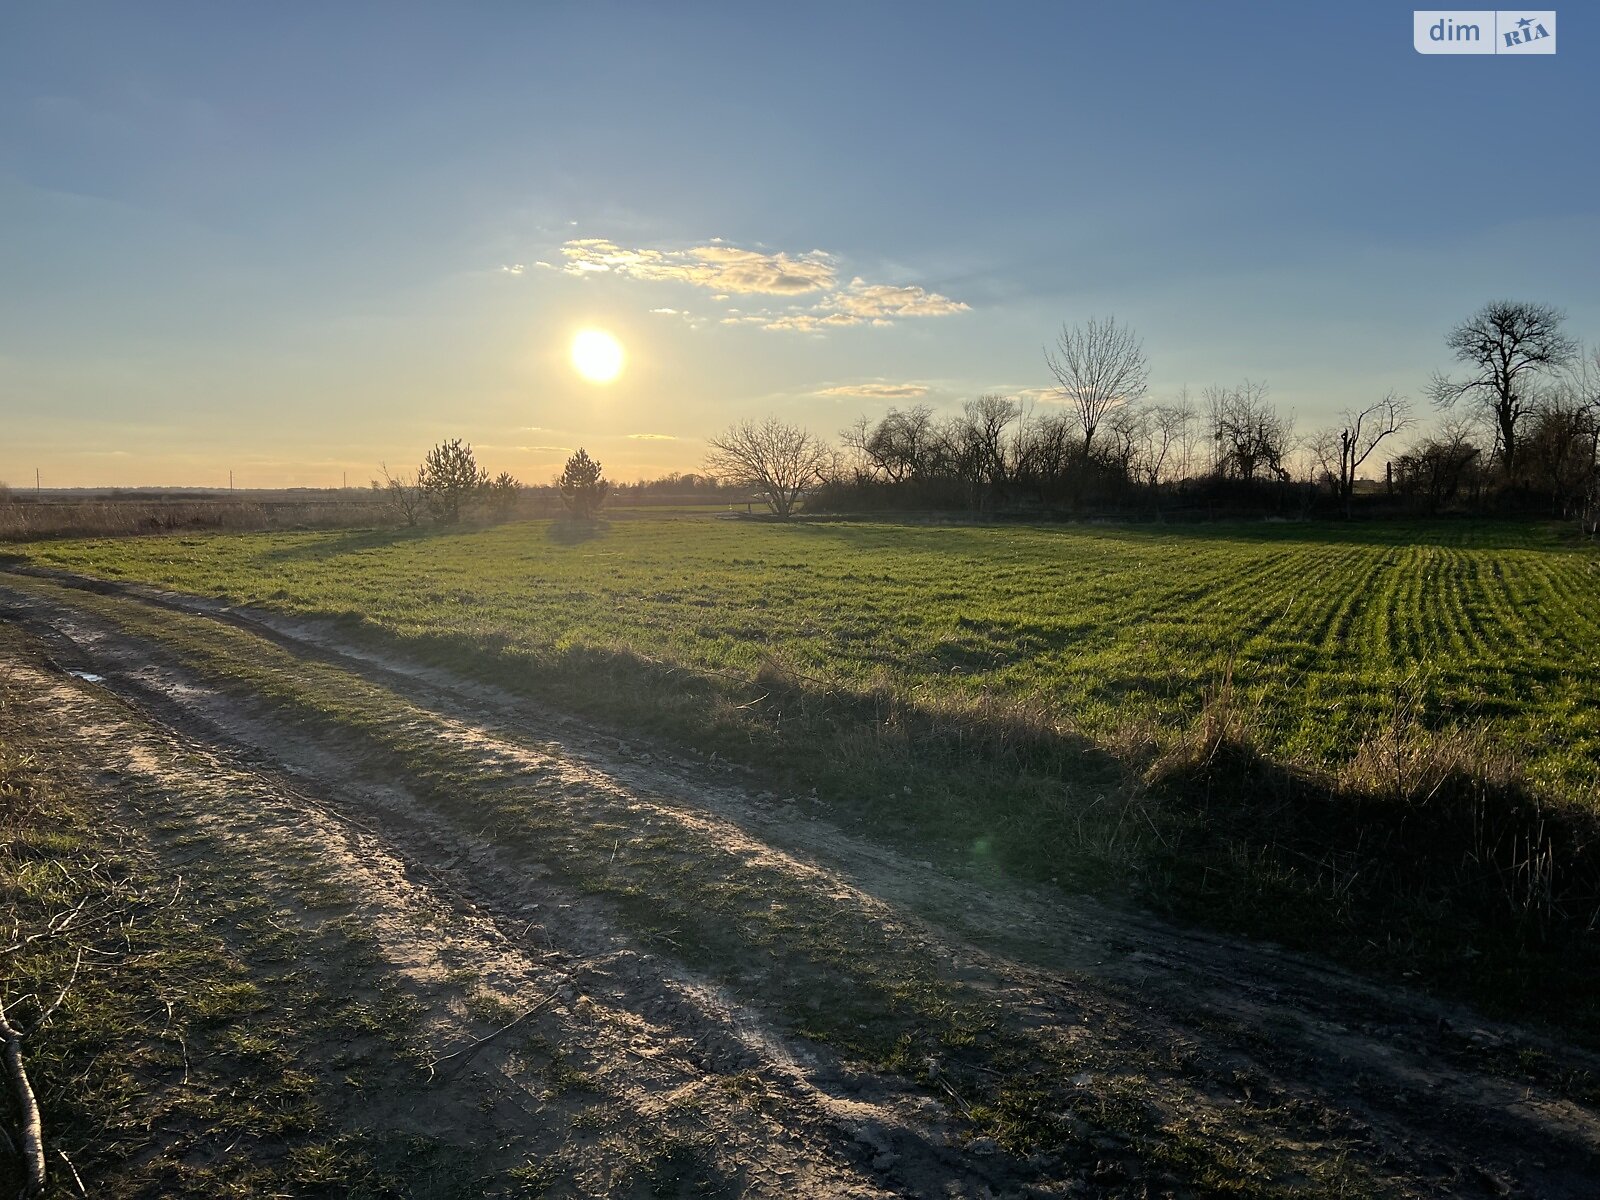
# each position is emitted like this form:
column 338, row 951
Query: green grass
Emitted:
column 894, row 1004
column 1325, row 625
column 1339, row 736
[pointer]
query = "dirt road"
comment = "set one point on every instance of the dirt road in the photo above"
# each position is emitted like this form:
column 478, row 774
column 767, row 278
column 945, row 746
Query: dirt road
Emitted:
column 692, row 984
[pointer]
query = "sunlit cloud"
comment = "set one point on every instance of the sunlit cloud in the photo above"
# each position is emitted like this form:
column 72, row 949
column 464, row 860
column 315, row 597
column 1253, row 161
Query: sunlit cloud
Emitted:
column 720, row 268
column 1040, row 395
column 807, row 322
column 653, row 437
column 513, row 269
column 882, row 300
column 877, row 391
column 728, row 271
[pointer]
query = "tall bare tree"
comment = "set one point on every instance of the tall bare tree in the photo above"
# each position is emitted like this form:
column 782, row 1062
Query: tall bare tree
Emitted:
column 1506, row 346
column 775, row 458
column 1167, row 445
column 1341, row 452
column 1099, row 366
column 989, row 417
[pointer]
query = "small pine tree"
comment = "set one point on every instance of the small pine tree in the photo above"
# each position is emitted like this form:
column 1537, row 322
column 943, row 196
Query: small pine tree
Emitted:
column 450, row 480
column 583, row 489
column 504, row 492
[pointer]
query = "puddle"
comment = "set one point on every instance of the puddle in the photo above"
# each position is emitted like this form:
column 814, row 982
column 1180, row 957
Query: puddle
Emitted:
column 88, row 676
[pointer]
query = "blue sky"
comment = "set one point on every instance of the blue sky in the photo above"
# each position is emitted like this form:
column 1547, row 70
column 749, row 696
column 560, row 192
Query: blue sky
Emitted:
column 296, row 240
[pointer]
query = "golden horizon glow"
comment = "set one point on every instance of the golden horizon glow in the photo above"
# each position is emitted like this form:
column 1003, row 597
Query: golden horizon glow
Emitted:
column 597, row 356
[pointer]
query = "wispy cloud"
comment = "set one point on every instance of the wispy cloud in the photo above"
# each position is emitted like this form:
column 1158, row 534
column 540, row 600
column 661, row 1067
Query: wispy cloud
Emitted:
column 1040, row 395
column 882, row 300
column 877, row 391
column 728, row 271
column 720, row 268
column 653, row 437
column 810, row 322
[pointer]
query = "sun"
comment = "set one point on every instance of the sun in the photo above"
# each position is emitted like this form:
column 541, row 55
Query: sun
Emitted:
column 597, row 355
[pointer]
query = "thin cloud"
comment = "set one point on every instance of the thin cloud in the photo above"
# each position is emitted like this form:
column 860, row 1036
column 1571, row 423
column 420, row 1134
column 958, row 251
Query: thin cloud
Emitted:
column 720, row 268
column 1041, row 395
column 653, row 437
column 728, row 271
column 806, row 322
column 877, row 391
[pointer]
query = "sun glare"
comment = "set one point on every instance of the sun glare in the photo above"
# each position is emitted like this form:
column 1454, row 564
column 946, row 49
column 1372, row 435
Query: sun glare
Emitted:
column 597, row 355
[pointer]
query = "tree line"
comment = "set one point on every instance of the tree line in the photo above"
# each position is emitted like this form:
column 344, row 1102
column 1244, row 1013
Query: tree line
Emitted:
column 1518, row 430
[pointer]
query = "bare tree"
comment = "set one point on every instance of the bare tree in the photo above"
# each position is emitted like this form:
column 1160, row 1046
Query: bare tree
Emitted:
column 1248, row 433
column 1353, row 444
column 777, row 459
column 1506, row 344
column 906, row 442
column 989, row 417
column 1167, row 435
column 1099, row 366
column 858, row 459
column 402, row 496
column 1436, row 469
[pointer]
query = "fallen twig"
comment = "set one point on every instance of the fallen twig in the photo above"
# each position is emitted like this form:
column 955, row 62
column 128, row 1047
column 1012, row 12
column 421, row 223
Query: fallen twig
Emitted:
column 76, row 1178
column 466, row 1052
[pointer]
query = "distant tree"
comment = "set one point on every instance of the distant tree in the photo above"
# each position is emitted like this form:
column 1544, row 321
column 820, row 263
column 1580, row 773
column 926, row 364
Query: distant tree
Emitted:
column 988, row 417
column 1251, row 437
column 902, row 446
column 451, row 481
column 582, row 487
column 1506, row 346
column 503, row 492
column 1559, row 450
column 1341, row 452
column 1099, row 367
column 1435, row 470
column 402, row 496
column 777, row 459
column 1164, row 456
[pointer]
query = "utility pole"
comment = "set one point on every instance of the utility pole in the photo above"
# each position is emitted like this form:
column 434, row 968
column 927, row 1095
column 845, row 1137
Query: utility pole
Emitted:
column 230, row 479
column 36, row 481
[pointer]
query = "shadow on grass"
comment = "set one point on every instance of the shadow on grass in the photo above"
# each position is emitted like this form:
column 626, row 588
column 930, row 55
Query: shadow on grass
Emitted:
column 574, row 531
column 1465, row 533
column 1430, row 853
column 320, row 549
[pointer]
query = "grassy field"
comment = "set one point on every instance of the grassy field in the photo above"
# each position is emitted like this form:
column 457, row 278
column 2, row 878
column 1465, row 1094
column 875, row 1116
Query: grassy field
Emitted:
column 1326, row 629
column 1380, row 740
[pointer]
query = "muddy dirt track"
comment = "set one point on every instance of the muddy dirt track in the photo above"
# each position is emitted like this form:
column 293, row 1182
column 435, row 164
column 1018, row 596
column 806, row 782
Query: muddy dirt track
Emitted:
column 1170, row 1057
